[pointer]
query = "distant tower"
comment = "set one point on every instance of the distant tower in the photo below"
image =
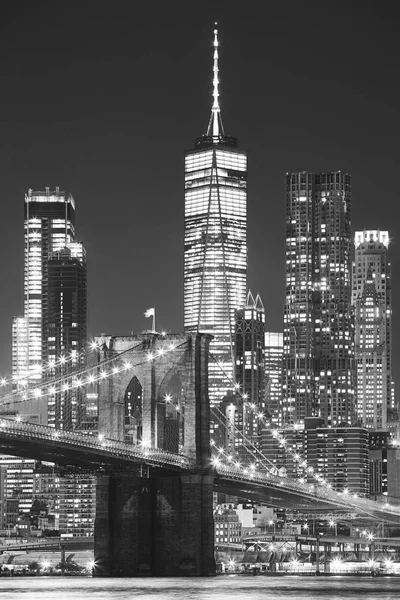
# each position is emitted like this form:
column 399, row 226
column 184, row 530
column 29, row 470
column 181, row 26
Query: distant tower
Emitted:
column 249, row 365
column 371, row 298
column 318, row 328
column 273, row 376
column 215, row 255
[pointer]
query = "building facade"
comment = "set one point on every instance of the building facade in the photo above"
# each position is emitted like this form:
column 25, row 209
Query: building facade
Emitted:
column 77, row 503
column 49, row 225
column 274, row 376
column 16, row 488
column 19, row 352
column 54, row 323
column 339, row 454
column 249, row 368
column 228, row 529
column 215, row 254
column 65, row 331
column 318, row 325
column 371, row 297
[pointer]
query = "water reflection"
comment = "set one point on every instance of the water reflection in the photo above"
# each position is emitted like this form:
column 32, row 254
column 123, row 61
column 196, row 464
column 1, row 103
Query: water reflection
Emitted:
column 235, row 587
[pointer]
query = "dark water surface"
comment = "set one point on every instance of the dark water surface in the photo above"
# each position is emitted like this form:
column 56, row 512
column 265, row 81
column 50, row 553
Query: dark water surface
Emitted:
column 234, row 587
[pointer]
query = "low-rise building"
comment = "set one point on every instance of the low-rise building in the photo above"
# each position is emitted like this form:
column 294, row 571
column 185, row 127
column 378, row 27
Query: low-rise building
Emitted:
column 228, row 529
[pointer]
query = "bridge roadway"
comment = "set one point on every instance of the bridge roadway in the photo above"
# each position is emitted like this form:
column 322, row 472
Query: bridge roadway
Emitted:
column 93, row 452
column 73, row 544
column 345, row 540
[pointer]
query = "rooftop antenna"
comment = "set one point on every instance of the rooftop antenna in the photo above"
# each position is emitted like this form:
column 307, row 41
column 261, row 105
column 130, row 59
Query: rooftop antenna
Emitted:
column 215, row 127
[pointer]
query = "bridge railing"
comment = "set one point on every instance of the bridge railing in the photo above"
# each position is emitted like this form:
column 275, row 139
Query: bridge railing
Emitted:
column 316, row 491
column 95, row 442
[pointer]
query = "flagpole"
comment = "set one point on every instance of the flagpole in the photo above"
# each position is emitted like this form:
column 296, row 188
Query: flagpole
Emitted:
column 154, row 319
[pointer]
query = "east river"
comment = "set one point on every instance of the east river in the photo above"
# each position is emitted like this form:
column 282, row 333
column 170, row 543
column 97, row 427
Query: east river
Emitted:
column 230, row 587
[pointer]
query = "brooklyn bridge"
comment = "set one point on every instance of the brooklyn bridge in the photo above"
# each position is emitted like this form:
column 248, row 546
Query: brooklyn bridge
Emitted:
column 156, row 465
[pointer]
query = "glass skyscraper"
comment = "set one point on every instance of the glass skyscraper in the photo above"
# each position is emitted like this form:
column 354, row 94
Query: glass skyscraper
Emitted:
column 318, row 350
column 65, row 330
column 49, row 225
column 373, row 316
column 215, row 254
column 54, row 320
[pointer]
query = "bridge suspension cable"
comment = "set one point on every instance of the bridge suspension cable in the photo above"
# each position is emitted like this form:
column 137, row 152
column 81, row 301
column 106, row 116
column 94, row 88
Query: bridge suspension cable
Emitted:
column 351, row 500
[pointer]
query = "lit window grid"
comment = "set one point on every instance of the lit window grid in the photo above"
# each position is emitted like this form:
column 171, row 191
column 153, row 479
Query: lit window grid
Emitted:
column 316, row 261
column 207, row 255
column 373, row 326
column 33, row 273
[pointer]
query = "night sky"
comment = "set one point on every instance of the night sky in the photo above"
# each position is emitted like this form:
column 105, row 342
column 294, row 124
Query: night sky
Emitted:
column 102, row 99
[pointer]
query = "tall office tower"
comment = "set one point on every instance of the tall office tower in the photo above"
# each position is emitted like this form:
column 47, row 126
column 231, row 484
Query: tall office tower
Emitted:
column 249, row 367
column 65, row 330
column 215, row 255
column 371, row 297
column 274, row 376
column 318, row 323
column 48, row 226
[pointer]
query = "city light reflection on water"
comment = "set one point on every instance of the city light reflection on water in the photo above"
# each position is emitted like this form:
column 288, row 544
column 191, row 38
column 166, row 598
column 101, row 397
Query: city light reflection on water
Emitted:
column 235, row 587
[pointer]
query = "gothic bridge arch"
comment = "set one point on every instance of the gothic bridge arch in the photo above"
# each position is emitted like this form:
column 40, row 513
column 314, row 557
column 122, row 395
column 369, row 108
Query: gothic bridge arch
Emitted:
column 184, row 367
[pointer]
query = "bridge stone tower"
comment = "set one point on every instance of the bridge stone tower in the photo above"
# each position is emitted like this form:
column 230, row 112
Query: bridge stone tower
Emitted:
column 156, row 522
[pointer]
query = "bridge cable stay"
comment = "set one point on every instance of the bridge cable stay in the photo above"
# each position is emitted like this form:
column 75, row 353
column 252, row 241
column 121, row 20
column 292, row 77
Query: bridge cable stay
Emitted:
column 274, row 432
column 248, row 446
column 62, row 360
column 365, row 505
column 62, row 378
column 249, row 443
column 88, row 369
column 76, row 380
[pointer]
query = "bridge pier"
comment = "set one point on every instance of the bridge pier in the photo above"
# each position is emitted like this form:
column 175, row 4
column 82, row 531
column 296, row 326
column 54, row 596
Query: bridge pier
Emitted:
column 157, row 526
column 161, row 524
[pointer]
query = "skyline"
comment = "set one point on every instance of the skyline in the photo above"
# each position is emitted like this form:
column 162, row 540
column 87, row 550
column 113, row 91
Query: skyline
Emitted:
column 165, row 114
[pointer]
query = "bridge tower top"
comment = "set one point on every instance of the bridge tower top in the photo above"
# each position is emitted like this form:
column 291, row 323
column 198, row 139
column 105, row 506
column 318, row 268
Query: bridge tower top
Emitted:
column 161, row 399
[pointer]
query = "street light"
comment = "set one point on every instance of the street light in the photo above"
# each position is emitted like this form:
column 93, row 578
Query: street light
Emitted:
column 272, row 522
column 232, row 565
column 333, row 523
column 45, row 564
column 91, row 565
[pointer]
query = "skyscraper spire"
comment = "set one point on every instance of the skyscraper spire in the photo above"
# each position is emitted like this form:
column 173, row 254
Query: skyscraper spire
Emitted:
column 215, row 128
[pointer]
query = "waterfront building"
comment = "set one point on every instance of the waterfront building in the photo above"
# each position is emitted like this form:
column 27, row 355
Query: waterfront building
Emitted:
column 371, row 298
column 16, row 487
column 318, row 326
column 46, row 491
column 249, row 369
column 274, row 376
column 215, row 253
column 77, row 505
column 228, row 529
